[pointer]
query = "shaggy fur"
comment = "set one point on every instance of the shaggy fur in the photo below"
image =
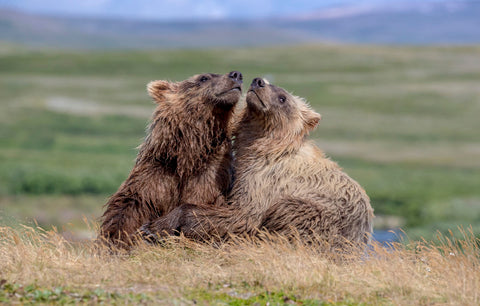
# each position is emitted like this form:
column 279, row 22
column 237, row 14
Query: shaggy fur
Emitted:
column 186, row 155
column 283, row 183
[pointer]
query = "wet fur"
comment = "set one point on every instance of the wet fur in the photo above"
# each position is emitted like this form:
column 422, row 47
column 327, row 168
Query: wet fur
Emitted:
column 185, row 158
column 283, row 183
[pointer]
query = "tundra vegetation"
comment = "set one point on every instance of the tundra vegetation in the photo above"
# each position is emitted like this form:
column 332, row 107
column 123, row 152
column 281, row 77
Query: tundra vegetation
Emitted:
column 41, row 266
column 402, row 121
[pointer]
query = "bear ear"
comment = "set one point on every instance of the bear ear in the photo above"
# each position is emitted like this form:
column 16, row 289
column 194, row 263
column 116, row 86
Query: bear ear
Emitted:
column 158, row 89
column 311, row 119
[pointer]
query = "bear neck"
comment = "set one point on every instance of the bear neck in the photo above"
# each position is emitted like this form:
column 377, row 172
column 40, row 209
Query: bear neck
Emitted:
column 254, row 139
column 183, row 142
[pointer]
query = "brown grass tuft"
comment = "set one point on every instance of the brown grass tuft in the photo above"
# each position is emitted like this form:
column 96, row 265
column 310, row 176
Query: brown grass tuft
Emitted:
column 442, row 272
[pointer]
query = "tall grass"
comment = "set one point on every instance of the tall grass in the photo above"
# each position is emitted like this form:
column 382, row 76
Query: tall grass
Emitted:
column 39, row 265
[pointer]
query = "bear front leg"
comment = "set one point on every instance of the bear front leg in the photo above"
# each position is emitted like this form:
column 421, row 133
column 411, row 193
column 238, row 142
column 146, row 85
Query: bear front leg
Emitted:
column 121, row 220
column 201, row 223
column 168, row 225
column 188, row 219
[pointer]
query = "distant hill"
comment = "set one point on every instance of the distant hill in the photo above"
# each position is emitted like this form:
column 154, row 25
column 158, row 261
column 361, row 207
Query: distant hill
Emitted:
column 449, row 22
column 409, row 23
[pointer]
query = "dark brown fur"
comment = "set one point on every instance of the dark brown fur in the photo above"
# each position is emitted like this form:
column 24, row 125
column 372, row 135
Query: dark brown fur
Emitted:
column 283, row 182
column 185, row 158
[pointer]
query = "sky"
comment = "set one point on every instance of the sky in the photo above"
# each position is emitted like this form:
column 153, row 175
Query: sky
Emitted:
column 184, row 9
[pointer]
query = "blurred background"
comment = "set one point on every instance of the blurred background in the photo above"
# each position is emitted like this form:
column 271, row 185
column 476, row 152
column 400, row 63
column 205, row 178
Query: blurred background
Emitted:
column 397, row 83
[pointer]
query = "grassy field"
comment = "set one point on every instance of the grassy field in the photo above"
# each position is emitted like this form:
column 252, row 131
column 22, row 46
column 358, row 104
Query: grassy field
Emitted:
column 401, row 121
column 42, row 267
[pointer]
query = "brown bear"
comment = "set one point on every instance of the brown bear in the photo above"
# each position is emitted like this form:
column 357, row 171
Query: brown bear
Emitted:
column 185, row 158
column 283, row 184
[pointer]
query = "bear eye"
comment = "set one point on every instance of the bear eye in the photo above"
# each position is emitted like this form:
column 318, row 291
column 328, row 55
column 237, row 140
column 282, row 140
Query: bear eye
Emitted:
column 203, row 79
column 282, row 99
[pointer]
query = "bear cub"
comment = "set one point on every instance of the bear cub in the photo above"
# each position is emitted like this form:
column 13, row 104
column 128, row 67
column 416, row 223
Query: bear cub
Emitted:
column 185, row 157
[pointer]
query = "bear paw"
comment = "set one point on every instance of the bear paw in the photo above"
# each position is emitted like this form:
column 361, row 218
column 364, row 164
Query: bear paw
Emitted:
column 147, row 235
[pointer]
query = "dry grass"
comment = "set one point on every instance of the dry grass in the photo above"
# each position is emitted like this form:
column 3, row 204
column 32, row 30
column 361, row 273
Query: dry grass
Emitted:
column 444, row 272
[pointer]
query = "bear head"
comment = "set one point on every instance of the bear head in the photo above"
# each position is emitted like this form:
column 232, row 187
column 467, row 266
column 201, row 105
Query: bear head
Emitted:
column 278, row 113
column 192, row 122
column 207, row 89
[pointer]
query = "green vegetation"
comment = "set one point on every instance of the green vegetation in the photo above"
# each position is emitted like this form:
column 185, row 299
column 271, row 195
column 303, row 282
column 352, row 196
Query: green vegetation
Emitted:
column 10, row 293
column 32, row 293
column 402, row 121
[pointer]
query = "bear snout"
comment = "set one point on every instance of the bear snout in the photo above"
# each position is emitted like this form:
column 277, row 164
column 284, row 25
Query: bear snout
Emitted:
column 257, row 83
column 236, row 76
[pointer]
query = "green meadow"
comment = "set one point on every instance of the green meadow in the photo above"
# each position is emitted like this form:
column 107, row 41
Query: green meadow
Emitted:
column 403, row 121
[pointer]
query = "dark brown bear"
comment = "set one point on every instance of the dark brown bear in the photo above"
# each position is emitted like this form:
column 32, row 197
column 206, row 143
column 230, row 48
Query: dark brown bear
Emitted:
column 185, row 158
column 283, row 182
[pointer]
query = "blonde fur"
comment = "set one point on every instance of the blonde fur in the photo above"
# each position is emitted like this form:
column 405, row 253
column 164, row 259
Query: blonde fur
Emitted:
column 283, row 182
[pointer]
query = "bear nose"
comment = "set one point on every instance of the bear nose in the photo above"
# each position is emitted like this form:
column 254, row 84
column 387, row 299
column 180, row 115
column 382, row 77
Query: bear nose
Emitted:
column 236, row 76
column 257, row 83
